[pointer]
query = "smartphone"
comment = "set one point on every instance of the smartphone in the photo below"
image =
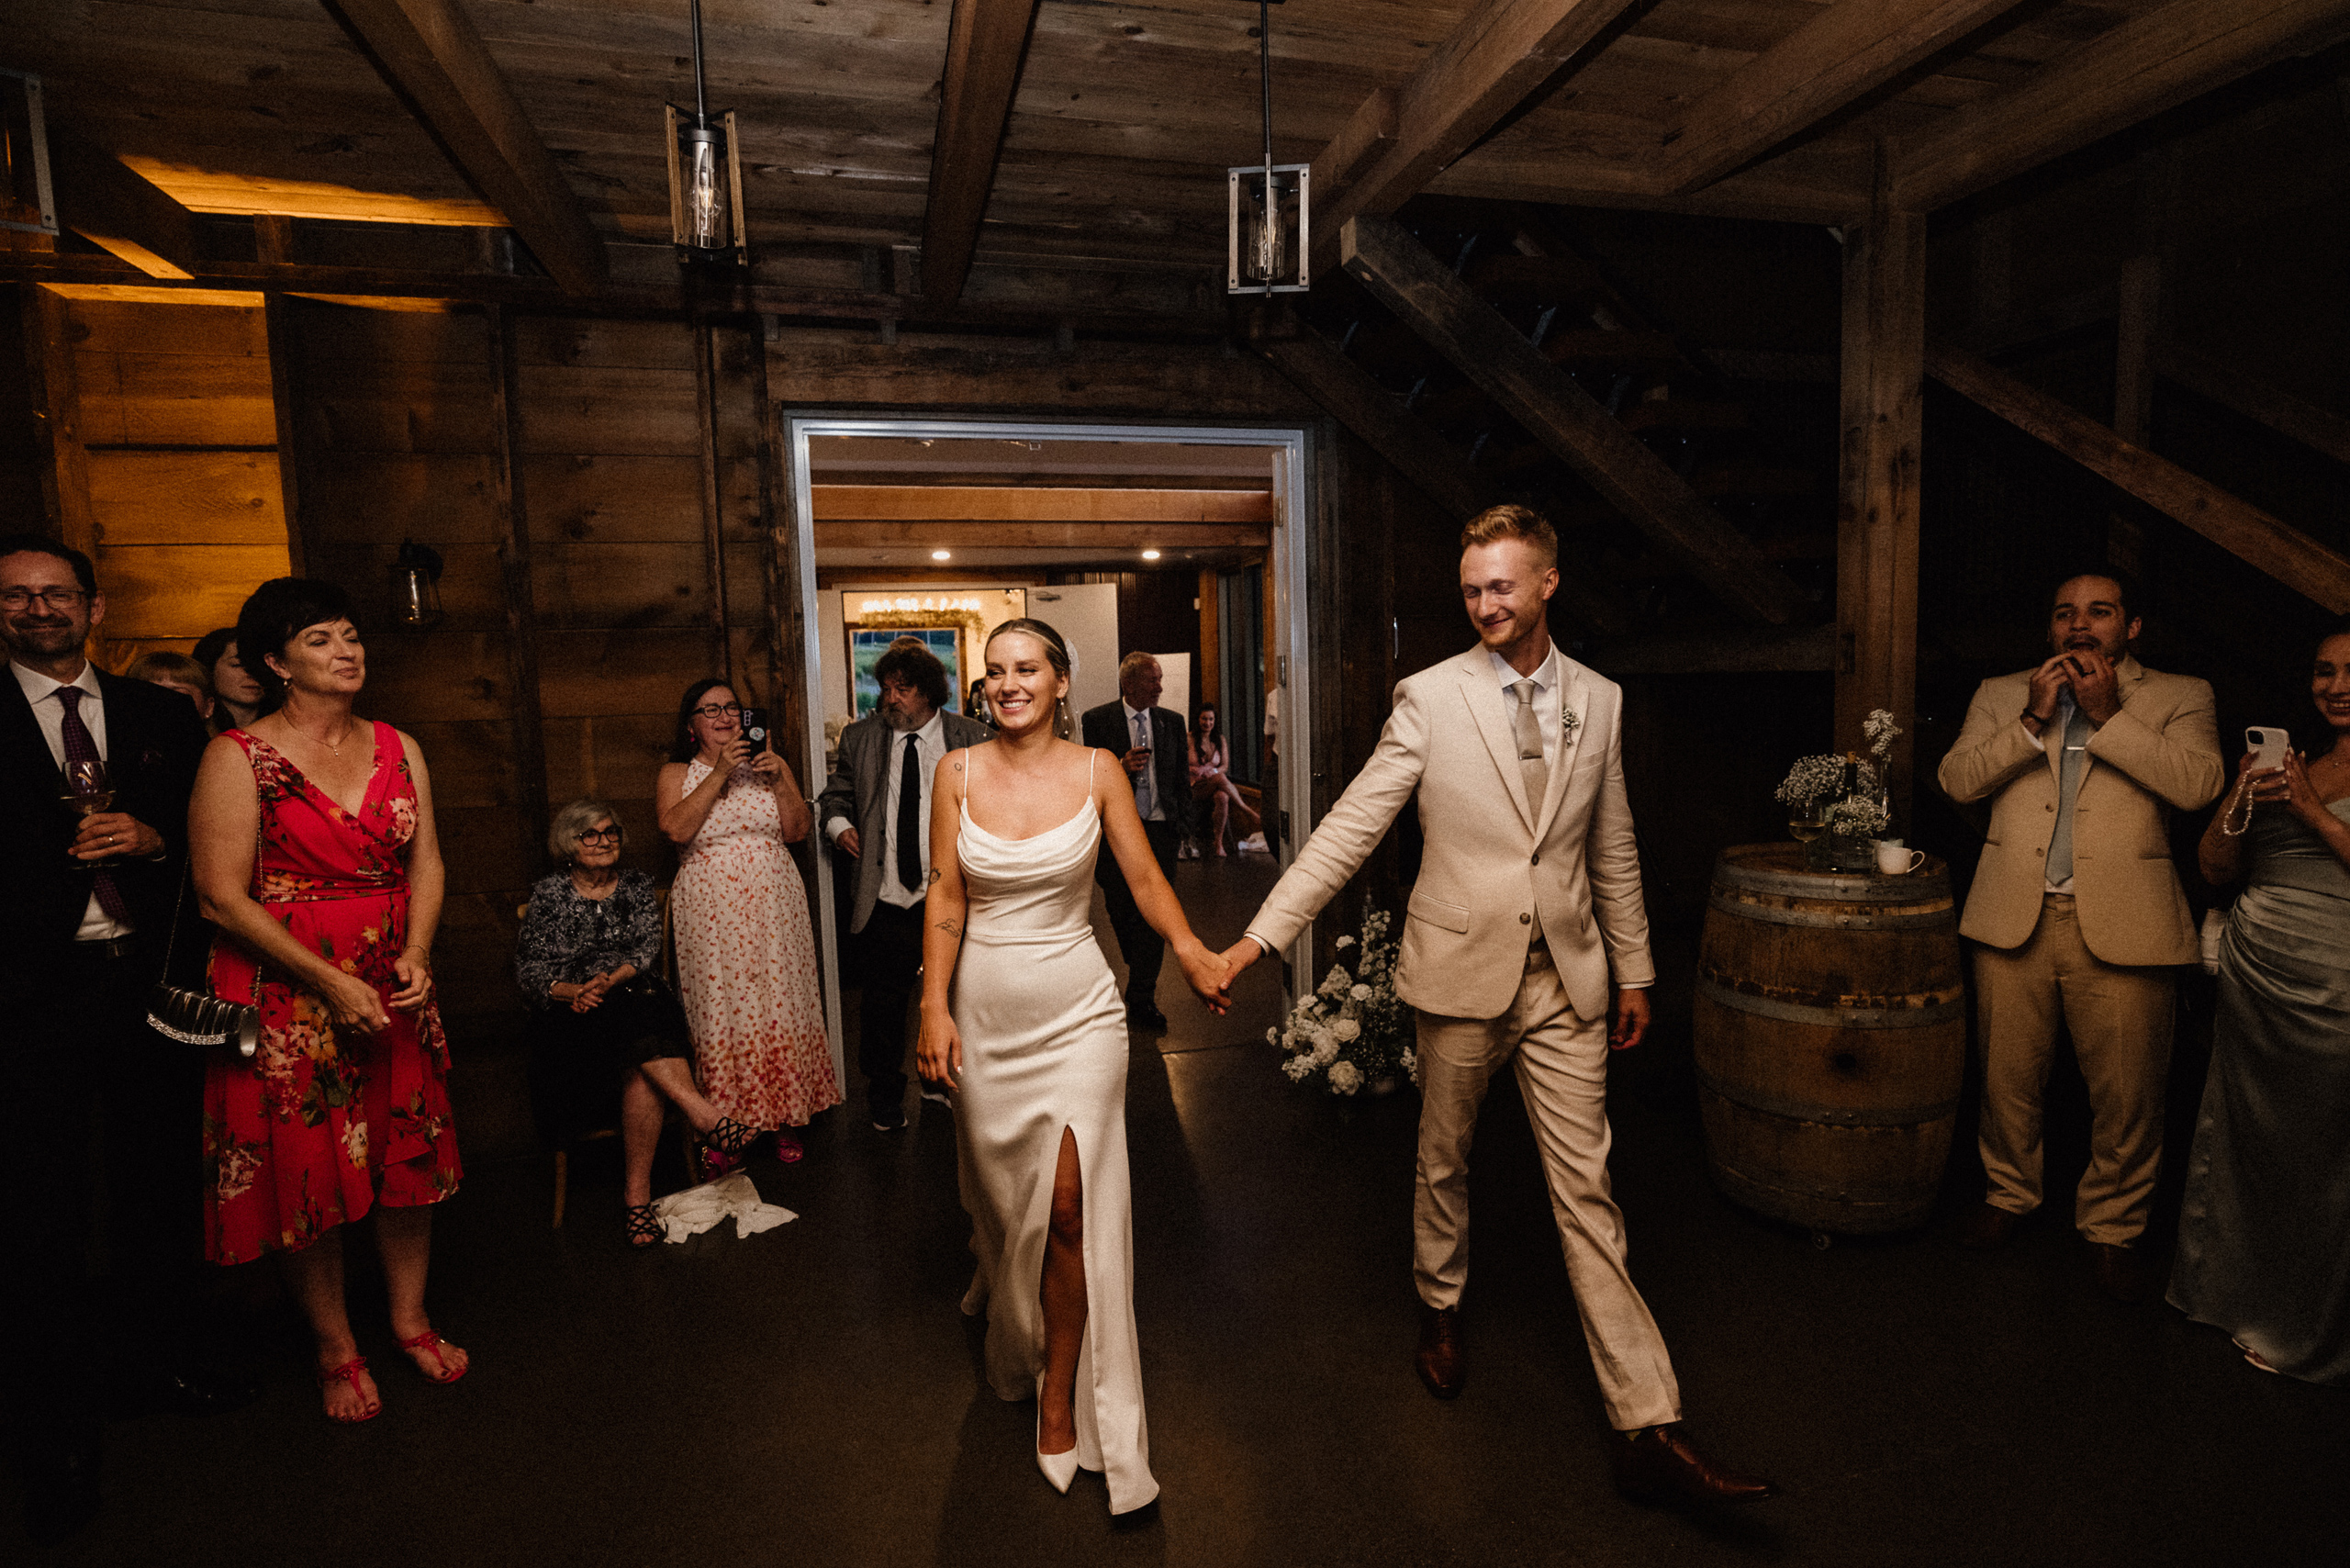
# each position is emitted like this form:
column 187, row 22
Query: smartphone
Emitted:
column 2268, row 747
column 755, row 727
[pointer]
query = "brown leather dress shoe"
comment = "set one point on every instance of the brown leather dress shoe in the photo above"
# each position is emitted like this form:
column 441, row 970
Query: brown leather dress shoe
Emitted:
column 1442, row 1361
column 2125, row 1273
column 1987, row 1226
column 1658, row 1464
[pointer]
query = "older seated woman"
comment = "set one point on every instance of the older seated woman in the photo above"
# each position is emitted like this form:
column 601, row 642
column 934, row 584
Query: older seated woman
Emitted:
column 586, row 960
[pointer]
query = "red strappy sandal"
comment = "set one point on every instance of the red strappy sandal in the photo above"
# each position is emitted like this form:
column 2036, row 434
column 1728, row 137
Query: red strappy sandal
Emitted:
column 430, row 1340
column 349, row 1373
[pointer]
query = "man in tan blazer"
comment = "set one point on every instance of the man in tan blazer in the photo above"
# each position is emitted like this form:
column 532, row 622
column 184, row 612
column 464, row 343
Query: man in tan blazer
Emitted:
column 1524, row 932
column 2076, row 910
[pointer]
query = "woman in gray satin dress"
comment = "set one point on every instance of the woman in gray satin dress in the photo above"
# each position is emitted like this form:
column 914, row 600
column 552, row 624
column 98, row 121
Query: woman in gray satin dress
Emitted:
column 2264, row 1246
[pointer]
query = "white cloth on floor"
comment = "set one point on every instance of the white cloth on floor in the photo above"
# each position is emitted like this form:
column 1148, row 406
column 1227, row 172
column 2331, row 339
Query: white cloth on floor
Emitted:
column 697, row 1209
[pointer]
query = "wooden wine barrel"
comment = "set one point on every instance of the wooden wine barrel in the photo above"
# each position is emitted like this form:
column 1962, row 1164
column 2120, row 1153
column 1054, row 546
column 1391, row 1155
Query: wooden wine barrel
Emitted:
column 1831, row 1033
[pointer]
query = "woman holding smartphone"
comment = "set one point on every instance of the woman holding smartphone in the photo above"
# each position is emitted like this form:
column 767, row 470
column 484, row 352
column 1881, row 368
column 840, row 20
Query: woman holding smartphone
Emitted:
column 746, row 957
column 2263, row 1242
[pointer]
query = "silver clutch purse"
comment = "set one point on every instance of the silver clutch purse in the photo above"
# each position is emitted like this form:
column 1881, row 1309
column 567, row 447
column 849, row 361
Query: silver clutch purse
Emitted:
column 198, row 1017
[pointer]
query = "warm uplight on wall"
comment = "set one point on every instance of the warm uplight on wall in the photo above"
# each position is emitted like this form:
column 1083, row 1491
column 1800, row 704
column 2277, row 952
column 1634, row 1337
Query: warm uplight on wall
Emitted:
column 942, row 554
column 1150, row 554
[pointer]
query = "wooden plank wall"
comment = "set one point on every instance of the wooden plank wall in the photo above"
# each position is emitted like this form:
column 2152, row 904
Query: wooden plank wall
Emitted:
column 179, row 436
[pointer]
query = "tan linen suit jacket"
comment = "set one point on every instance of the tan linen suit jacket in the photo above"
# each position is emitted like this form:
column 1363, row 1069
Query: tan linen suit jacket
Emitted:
column 2161, row 752
column 1493, row 857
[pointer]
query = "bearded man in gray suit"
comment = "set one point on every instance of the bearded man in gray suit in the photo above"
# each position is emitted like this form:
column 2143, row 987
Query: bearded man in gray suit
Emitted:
column 875, row 812
column 1524, row 935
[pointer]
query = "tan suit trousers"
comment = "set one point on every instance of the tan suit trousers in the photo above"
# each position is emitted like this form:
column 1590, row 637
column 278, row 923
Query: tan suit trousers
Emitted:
column 2121, row 1021
column 1561, row 1063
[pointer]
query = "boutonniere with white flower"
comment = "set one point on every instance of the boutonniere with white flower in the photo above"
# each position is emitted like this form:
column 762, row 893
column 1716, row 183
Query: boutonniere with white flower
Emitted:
column 1569, row 722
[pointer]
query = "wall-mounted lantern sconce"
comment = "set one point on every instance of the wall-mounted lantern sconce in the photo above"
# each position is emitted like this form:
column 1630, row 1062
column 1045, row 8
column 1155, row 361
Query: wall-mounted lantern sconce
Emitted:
column 27, row 202
column 1265, row 231
column 705, row 177
column 416, row 585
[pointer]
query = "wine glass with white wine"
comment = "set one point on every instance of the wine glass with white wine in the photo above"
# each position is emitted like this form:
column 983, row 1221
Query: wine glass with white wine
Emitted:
column 87, row 790
column 1805, row 821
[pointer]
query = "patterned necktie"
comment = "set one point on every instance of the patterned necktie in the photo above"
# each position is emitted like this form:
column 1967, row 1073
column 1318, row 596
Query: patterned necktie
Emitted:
column 1143, row 779
column 80, row 747
column 1529, row 745
column 2068, row 783
column 908, row 830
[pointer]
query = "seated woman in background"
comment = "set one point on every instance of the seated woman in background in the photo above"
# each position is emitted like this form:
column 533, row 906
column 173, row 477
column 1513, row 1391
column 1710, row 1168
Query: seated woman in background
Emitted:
column 1217, row 796
column 174, row 672
column 312, row 844
column 234, row 690
column 587, row 961
column 746, row 953
column 2263, row 1240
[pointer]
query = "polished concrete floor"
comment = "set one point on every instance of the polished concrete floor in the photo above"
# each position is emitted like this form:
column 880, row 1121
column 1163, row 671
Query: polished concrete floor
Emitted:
column 811, row 1396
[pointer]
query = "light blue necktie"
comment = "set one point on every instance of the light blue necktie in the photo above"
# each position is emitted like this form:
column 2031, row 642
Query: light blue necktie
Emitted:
column 2068, row 783
column 1142, row 779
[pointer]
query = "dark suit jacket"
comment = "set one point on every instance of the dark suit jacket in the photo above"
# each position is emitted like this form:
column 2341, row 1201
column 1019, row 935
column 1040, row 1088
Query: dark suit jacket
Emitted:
column 154, row 742
column 858, row 793
column 1170, row 768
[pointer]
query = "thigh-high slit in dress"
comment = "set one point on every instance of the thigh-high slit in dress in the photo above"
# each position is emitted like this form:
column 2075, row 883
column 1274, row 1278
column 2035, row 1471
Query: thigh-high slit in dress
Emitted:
column 1044, row 1049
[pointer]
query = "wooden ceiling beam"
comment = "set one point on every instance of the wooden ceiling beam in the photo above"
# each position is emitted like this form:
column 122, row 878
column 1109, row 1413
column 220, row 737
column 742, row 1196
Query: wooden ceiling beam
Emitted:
column 2134, row 72
column 1849, row 49
column 1487, row 66
column 2321, row 430
column 962, row 534
column 2277, row 548
column 1380, row 420
column 985, row 41
column 1037, row 503
column 430, row 51
column 1564, row 418
column 115, row 207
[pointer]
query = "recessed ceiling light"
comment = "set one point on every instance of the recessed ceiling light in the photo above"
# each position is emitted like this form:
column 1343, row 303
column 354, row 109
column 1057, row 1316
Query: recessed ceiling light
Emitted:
column 1150, row 554
column 942, row 554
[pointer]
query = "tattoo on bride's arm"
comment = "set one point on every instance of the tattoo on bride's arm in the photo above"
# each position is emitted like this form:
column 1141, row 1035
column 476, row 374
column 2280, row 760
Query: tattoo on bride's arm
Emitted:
column 935, row 873
column 950, row 927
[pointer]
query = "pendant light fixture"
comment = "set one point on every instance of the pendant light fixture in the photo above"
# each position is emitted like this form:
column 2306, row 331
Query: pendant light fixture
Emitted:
column 705, row 176
column 1265, row 235
column 415, row 587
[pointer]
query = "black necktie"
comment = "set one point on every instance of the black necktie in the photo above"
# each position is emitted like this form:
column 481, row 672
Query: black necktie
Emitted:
column 910, row 820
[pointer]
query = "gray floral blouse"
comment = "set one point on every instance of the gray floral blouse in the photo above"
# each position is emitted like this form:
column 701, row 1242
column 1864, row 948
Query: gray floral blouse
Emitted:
column 567, row 938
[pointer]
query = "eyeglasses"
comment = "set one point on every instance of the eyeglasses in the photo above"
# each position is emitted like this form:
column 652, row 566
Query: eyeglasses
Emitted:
column 56, row 599
column 600, row 835
column 719, row 710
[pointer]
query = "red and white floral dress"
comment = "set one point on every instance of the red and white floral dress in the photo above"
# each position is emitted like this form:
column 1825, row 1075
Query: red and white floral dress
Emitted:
column 746, row 962
column 318, row 1128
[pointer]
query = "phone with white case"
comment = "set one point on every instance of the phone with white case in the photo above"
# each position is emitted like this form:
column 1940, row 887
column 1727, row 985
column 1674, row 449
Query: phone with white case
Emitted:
column 2268, row 747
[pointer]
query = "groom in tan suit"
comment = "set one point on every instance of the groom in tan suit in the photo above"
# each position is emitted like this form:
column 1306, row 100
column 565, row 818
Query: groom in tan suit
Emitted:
column 2076, row 912
column 1524, row 934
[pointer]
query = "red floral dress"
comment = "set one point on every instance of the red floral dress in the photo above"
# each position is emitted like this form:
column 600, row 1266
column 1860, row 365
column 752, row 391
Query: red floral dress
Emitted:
column 316, row 1129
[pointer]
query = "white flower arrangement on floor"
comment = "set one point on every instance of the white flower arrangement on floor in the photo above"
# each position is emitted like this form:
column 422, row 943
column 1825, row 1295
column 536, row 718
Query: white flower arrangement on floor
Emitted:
column 1353, row 1032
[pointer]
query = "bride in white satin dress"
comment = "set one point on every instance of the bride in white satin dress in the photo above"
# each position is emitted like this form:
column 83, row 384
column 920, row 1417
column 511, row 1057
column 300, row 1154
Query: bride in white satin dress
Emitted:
column 1020, row 1015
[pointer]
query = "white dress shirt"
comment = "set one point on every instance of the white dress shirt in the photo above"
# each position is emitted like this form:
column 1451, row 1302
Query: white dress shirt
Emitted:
column 1144, row 733
column 930, row 750
column 97, row 925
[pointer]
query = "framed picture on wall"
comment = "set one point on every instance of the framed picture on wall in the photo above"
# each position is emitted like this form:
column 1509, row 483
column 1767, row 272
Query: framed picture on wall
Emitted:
column 865, row 646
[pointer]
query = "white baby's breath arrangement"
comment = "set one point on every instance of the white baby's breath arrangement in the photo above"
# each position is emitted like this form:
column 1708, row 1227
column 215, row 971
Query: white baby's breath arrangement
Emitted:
column 1353, row 1031
column 1813, row 777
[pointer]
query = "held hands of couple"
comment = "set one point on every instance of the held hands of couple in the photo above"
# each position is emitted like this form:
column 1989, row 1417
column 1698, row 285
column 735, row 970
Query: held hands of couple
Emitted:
column 1208, row 974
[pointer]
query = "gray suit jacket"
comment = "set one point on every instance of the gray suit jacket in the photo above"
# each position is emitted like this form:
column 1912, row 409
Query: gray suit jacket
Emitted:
column 858, row 793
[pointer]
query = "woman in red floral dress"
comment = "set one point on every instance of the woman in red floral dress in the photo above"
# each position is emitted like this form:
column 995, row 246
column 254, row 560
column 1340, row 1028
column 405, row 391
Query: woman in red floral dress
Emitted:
column 746, row 956
column 314, row 850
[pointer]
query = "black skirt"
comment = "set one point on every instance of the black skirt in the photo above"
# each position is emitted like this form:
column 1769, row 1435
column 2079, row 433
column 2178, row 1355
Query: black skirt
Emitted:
column 577, row 1059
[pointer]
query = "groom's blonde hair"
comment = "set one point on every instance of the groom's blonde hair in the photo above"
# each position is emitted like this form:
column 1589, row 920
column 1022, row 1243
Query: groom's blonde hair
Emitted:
column 1496, row 523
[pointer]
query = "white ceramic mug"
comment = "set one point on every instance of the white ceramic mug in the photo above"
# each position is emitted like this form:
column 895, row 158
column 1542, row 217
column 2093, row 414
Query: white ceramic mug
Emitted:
column 1894, row 860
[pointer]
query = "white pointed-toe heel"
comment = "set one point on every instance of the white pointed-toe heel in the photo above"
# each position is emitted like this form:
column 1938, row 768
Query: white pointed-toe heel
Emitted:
column 1061, row 1469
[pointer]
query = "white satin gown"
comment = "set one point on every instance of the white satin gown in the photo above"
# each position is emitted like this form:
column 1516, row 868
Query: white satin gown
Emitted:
column 1043, row 1049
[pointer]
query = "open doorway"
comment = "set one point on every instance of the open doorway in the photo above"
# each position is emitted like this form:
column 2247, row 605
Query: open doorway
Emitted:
column 1184, row 542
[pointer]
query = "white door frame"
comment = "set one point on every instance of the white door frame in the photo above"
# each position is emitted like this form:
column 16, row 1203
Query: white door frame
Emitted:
column 1291, row 667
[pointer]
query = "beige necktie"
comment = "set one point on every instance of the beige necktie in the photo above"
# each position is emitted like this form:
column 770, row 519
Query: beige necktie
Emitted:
column 1529, row 745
